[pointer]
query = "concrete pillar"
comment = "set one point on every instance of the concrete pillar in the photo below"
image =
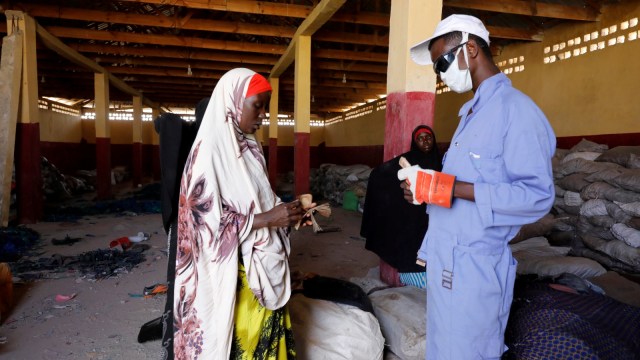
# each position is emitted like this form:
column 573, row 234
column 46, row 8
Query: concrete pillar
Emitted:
column 410, row 87
column 10, row 76
column 103, row 137
column 302, row 115
column 273, row 133
column 27, row 146
column 136, row 148
column 155, row 141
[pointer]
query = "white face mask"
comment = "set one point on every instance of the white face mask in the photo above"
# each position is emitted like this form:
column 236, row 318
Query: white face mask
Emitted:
column 456, row 79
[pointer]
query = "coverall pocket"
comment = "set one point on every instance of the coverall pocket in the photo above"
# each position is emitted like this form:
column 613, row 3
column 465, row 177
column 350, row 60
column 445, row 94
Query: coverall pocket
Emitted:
column 477, row 302
column 488, row 164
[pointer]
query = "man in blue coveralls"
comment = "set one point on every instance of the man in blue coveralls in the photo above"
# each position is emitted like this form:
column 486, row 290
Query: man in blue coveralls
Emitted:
column 495, row 178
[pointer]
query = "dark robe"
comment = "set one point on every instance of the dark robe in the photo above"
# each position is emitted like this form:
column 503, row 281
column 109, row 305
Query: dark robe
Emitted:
column 394, row 228
column 176, row 139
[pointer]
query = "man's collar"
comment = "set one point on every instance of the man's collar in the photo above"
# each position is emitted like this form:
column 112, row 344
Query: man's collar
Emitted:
column 484, row 91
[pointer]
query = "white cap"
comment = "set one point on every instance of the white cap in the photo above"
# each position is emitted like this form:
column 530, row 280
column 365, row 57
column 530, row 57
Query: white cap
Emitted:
column 465, row 23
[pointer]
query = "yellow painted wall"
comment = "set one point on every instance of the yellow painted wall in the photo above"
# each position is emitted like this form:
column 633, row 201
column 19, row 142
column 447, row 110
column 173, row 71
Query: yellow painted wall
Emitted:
column 362, row 131
column 285, row 136
column 591, row 94
column 120, row 131
column 147, row 132
column 57, row 127
column 89, row 131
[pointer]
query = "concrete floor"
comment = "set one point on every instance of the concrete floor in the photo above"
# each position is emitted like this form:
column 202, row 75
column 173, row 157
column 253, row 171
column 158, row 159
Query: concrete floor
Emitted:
column 103, row 320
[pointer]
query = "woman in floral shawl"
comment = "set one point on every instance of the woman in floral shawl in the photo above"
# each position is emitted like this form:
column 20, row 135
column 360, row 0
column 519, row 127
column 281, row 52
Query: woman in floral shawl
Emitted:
column 232, row 273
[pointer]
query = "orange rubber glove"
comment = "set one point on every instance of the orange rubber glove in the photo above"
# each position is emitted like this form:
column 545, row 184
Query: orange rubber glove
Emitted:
column 428, row 186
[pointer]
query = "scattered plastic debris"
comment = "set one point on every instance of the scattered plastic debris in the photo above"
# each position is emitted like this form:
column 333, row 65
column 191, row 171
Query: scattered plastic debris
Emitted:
column 63, row 298
column 140, row 237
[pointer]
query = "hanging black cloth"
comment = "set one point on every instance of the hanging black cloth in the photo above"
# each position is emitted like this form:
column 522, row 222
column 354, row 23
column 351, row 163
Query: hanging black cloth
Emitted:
column 393, row 228
column 176, row 138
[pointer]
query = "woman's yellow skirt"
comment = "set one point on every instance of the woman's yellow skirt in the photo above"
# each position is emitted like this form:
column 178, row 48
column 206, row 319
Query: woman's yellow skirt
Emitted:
column 259, row 333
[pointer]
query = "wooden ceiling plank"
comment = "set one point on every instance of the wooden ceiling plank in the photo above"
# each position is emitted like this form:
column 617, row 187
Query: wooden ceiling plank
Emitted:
column 212, row 56
column 352, row 38
column 528, row 8
column 513, row 33
column 351, row 55
column 167, row 40
column 61, row 48
column 173, row 63
column 186, row 23
column 175, row 53
column 270, row 8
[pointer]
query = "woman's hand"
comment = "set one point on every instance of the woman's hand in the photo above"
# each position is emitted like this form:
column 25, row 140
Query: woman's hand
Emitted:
column 406, row 188
column 283, row 215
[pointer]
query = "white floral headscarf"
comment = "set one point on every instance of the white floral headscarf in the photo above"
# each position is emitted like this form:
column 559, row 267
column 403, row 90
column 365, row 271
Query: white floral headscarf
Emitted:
column 223, row 186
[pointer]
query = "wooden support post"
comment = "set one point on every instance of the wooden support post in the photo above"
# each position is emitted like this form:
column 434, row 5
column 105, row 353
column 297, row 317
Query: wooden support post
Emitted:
column 27, row 141
column 302, row 114
column 136, row 148
column 155, row 141
column 10, row 73
column 103, row 136
column 273, row 133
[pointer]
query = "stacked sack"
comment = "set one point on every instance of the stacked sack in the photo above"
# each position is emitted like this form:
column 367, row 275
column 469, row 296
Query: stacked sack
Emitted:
column 331, row 181
column 598, row 194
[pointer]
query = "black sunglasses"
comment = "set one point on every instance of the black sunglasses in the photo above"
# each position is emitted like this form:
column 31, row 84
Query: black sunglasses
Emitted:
column 445, row 60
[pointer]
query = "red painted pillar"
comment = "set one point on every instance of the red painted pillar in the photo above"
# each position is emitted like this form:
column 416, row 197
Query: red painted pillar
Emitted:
column 302, row 115
column 273, row 162
column 28, row 173
column 410, row 87
column 27, row 157
column 103, row 168
column 301, row 162
column 155, row 162
column 405, row 111
column 136, row 166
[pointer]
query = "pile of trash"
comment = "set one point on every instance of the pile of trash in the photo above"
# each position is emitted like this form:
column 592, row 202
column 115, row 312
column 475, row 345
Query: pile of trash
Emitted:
column 16, row 242
column 94, row 265
column 331, row 181
column 145, row 200
column 598, row 195
column 57, row 186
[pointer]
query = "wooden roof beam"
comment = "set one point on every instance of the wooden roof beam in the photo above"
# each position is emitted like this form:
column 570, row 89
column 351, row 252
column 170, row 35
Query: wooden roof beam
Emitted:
column 166, row 40
column 59, row 47
column 528, row 8
column 513, row 33
column 318, row 17
column 176, row 53
column 269, row 8
column 176, row 63
column 189, row 23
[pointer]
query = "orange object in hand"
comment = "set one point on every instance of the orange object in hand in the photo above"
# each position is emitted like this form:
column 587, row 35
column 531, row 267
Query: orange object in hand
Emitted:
column 428, row 186
column 435, row 188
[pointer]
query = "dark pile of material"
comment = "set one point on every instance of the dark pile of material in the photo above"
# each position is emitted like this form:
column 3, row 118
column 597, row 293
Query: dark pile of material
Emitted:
column 96, row 264
column 15, row 242
column 546, row 323
column 143, row 201
column 57, row 186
